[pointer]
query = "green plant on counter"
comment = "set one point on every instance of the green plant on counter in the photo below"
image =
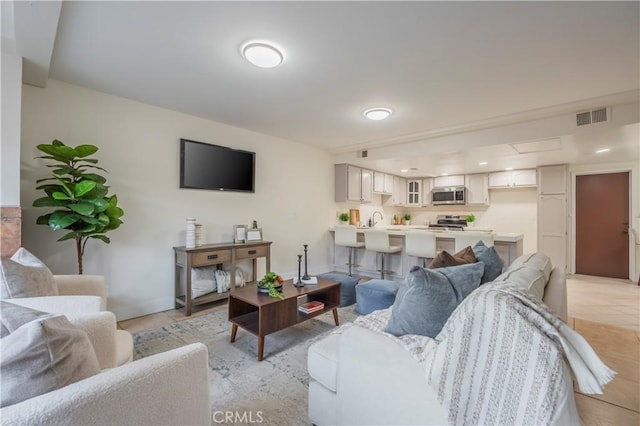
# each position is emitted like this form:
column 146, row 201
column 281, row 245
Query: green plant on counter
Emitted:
column 79, row 196
column 344, row 217
column 270, row 280
column 470, row 218
column 407, row 216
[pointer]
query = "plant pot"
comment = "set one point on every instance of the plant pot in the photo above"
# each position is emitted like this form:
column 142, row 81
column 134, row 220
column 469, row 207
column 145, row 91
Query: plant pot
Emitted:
column 265, row 290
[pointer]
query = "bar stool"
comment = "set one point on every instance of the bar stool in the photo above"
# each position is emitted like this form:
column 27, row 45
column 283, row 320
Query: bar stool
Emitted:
column 470, row 238
column 378, row 241
column 421, row 244
column 347, row 236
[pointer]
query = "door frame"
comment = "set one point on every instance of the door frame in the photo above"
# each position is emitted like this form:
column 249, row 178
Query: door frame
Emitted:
column 633, row 208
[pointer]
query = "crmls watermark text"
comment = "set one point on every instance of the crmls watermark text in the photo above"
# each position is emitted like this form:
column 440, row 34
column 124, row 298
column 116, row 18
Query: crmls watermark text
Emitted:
column 237, row 417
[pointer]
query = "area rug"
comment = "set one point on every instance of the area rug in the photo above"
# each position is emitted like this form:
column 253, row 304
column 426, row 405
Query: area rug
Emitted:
column 269, row 392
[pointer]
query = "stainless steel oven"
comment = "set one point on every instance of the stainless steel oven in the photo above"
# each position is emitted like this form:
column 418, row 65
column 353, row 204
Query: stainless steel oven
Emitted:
column 449, row 195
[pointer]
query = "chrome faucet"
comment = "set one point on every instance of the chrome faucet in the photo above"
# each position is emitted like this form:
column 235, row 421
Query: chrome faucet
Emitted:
column 373, row 217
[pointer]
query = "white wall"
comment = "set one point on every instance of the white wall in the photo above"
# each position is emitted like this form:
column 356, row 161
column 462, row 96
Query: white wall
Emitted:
column 10, row 133
column 139, row 146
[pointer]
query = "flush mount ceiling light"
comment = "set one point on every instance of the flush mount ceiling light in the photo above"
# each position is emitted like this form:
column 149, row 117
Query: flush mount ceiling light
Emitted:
column 404, row 170
column 509, row 169
column 483, row 163
column 377, row 113
column 262, row 54
column 603, row 150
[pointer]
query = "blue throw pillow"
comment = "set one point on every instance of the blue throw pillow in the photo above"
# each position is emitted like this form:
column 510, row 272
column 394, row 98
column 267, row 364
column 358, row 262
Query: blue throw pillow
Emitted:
column 493, row 264
column 430, row 296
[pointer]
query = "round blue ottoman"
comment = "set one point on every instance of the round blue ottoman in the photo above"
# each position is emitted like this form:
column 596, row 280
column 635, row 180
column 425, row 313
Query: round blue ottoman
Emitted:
column 347, row 287
column 375, row 294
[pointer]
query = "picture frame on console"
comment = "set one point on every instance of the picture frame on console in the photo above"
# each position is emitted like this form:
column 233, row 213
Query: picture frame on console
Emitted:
column 254, row 234
column 239, row 233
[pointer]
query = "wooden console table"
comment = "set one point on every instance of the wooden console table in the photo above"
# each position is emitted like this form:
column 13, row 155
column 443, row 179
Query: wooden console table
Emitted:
column 214, row 255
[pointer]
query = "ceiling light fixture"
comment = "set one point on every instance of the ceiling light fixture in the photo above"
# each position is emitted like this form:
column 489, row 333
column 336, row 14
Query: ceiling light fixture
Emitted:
column 377, row 113
column 404, row 171
column 603, row 150
column 262, row 55
column 444, row 174
column 509, row 168
column 483, row 163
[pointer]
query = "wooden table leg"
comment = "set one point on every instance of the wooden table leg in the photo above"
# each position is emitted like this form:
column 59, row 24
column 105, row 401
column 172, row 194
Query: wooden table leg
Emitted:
column 234, row 330
column 260, row 347
column 335, row 316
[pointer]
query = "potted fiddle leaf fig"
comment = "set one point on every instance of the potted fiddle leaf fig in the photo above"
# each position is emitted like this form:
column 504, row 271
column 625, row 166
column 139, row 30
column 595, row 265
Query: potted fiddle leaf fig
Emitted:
column 79, row 196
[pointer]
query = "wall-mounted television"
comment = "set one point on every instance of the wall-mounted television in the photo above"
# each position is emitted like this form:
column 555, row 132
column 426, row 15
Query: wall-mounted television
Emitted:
column 215, row 167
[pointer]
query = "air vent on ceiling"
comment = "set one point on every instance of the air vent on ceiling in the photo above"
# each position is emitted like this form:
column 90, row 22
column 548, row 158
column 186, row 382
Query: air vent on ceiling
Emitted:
column 363, row 154
column 599, row 115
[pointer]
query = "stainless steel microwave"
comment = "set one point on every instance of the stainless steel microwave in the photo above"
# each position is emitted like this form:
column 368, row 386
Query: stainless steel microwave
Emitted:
column 449, row 195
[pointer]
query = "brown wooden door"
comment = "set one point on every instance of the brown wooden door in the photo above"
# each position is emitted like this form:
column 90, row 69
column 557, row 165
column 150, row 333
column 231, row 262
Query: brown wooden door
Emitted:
column 602, row 225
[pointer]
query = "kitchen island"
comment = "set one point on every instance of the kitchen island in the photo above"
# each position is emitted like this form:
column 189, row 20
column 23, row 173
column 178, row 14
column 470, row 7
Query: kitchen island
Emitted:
column 508, row 246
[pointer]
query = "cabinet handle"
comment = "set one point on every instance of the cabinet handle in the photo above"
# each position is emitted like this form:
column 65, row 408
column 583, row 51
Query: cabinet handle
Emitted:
column 252, row 251
column 212, row 256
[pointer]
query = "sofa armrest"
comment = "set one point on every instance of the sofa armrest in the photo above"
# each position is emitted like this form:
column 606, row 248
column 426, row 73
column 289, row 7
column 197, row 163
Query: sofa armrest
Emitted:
column 65, row 305
column 380, row 383
column 101, row 328
column 169, row 388
column 87, row 285
column 555, row 293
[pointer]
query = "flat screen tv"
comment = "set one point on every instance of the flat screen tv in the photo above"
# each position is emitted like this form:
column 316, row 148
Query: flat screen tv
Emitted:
column 214, row 167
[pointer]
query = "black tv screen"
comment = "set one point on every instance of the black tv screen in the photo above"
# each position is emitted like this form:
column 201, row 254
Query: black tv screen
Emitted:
column 206, row 166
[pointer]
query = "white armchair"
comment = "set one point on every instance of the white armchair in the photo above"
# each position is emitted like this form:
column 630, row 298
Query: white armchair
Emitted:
column 169, row 388
column 81, row 296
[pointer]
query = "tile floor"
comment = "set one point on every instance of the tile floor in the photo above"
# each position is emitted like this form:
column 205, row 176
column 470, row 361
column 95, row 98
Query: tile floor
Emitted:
column 605, row 311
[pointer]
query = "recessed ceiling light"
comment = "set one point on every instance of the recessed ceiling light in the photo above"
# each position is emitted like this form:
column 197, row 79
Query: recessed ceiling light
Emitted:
column 444, row 174
column 509, row 168
column 404, row 171
column 378, row 113
column 262, row 55
column 603, row 150
column 483, row 163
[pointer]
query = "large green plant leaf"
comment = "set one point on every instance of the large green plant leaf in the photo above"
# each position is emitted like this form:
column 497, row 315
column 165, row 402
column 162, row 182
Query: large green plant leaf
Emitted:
column 86, row 150
column 63, row 171
column 68, row 236
column 100, row 203
column 83, row 187
column 43, row 220
column 101, row 238
column 83, row 208
column 49, row 202
column 61, row 153
column 60, row 196
column 100, row 191
column 61, row 219
column 66, row 185
column 92, row 176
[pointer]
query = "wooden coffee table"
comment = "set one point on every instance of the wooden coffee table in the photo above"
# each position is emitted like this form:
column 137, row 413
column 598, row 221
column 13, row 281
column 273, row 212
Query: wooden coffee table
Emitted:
column 261, row 314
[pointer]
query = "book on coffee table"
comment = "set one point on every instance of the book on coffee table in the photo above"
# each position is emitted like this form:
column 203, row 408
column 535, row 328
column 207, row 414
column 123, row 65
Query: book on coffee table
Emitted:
column 310, row 307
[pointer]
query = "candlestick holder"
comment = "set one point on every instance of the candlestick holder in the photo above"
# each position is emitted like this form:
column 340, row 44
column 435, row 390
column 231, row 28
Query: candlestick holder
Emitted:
column 306, row 274
column 299, row 283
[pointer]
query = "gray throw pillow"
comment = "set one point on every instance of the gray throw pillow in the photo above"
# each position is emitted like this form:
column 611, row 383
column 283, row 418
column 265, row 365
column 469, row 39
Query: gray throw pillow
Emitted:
column 430, row 296
column 24, row 275
column 493, row 264
column 40, row 353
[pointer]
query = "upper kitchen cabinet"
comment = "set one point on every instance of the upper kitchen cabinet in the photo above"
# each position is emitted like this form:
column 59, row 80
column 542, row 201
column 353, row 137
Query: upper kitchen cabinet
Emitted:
column 513, row 178
column 388, row 184
column 353, row 184
column 379, row 187
column 477, row 189
column 427, row 186
column 455, row 180
column 399, row 197
column 553, row 180
column 414, row 192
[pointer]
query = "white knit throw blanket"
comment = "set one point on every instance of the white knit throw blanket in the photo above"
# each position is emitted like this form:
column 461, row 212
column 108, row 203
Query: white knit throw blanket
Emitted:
column 500, row 359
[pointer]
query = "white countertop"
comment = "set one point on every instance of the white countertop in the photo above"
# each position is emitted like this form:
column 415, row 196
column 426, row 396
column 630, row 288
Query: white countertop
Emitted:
column 401, row 230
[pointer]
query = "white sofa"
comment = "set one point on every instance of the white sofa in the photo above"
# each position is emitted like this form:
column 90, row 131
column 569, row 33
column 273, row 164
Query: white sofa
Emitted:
column 365, row 377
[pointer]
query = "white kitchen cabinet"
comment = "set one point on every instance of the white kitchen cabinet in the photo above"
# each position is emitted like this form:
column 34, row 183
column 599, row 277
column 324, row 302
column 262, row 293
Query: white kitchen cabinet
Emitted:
column 513, row 178
column 477, row 189
column 388, row 184
column 455, row 180
column 353, row 184
column 378, row 182
column 414, row 192
column 553, row 180
column 427, row 186
column 399, row 197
